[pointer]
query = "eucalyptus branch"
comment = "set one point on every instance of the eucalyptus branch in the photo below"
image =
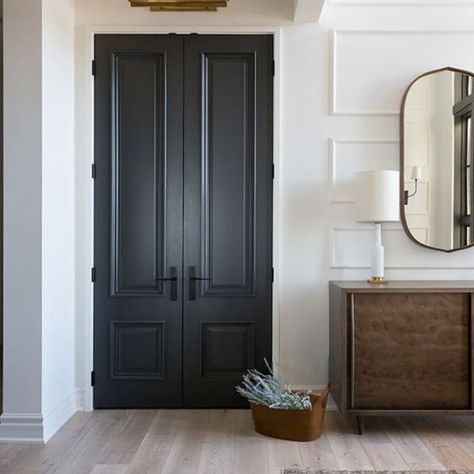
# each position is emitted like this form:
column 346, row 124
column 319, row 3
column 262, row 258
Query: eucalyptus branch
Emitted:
column 266, row 390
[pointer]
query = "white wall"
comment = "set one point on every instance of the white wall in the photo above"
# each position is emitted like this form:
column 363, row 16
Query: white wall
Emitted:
column 58, row 218
column 341, row 86
column 22, row 220
column 238, row 13
column 39, row 273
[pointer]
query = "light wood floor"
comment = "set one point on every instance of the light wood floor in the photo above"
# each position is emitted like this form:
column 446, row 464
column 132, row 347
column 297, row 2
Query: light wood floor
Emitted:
column 223, row 441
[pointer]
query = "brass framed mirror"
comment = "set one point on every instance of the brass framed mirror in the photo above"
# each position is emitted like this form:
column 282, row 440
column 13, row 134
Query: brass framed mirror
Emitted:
column 437, row 160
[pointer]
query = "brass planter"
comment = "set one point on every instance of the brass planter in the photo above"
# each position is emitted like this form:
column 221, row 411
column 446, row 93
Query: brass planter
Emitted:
column 292, row 425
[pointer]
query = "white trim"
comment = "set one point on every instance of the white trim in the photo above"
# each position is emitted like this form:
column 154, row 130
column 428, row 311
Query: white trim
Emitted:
column 332, row 161
column 21, row 428
column 87, row 392
column 367, row 229
column 403, row 3
column 57, row 418
column 333, row 108
column 80, row 399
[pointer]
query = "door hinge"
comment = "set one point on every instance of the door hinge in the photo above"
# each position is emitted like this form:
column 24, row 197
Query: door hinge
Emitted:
column 273, row 171
column 273, row 275
column 94, row 171
column 94, row 67
column 273, row 68
column 93, row 274
column 92, row 378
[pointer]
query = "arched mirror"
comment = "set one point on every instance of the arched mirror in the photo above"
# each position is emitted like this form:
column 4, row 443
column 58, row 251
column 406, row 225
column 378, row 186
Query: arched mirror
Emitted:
column 437, row 160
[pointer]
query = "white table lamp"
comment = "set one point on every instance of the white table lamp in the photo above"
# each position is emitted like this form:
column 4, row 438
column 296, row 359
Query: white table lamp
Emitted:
column 377, row 201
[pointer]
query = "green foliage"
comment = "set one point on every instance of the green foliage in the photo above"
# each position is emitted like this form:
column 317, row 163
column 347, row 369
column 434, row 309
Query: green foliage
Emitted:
column 266, row 390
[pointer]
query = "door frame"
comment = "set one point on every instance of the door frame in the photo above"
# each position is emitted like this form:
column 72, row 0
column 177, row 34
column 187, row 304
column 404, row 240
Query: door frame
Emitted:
column 85, row 189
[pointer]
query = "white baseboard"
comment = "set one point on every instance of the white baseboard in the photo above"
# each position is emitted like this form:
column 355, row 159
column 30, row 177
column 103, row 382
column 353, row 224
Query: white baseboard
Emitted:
column 21, row 428
column 34, row 428
column 58, row 417
column 80, row 399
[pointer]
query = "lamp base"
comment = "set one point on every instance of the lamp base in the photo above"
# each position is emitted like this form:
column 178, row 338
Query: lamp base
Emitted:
column 378, row 280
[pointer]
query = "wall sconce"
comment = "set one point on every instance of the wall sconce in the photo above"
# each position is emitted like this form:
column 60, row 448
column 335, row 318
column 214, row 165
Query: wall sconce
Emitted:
column 415, row 176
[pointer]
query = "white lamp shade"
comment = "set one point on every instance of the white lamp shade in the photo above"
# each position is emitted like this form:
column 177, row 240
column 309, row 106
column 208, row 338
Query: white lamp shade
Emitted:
column 377, row 196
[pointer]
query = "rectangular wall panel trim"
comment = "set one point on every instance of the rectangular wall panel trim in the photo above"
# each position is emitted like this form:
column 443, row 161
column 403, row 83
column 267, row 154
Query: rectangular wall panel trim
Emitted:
column 422, row 259
column 335, row 106
column 333, row 162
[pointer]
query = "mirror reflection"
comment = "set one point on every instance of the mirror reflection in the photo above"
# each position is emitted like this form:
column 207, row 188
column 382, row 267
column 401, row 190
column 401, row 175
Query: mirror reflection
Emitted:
column 437, row 160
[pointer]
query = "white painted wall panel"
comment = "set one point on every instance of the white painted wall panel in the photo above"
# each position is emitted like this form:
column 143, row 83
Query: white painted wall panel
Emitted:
column 372, row 69
column 349, row 157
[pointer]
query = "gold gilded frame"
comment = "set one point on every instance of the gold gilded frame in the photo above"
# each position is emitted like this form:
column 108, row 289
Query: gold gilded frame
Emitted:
column 180, row 5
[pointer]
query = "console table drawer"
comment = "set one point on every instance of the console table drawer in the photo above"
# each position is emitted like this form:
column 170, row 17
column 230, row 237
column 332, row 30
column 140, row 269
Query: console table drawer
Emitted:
column 410, row 351
column 402, row 348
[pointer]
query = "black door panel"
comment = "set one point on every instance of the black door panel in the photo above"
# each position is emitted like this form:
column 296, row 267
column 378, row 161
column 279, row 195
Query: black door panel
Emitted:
column 138, row 221
column 228, row 214
column 183, row 217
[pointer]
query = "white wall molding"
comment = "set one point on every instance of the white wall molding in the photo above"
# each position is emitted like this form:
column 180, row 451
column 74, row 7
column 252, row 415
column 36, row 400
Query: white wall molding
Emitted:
column 335, row 55
column 80, row 399
column 416, row 257
column 403, row 3
column 21, row 428
column 54, row 420
column 333, row 162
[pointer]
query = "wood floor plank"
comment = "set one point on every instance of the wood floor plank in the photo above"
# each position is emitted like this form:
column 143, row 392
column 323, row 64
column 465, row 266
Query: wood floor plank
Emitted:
column 8, row 454
column 110, row 469
column 250, row 447
column 381, row 452
column 225, row 442
column 457, row 431
column 440, row 443
column 412, row 449
column 122, row 447
column 346, row 444
column 99, row 429
column 185, row 452
column 48, row 458
column 218, row 450
column 153, row 451
column 318, row 454
column 282, row 454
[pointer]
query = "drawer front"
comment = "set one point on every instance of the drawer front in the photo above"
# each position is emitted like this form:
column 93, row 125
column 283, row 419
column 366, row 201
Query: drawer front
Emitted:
column 410, row 351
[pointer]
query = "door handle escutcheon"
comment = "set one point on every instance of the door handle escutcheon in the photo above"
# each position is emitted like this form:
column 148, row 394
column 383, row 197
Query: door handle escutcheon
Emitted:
column 192, row 282
column 173, row 279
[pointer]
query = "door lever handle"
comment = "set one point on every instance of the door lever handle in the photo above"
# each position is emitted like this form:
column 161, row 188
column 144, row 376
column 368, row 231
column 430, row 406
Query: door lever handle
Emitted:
column 192, row 282
column 173, row 279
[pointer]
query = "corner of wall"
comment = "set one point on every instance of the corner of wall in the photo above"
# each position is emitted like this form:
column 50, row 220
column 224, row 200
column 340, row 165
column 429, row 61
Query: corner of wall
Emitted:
column 55, row 419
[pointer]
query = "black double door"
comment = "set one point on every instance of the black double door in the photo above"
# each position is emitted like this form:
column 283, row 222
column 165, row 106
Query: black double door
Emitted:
column 183, row 217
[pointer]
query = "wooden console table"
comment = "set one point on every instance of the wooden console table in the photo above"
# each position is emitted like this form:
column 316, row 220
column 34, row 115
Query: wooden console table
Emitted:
column 403, row 348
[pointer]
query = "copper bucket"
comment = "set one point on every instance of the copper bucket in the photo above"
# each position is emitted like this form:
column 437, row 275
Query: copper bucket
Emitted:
column 292, row 425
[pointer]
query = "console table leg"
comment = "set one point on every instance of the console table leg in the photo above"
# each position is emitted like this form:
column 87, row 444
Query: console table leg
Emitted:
column 360, row 424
